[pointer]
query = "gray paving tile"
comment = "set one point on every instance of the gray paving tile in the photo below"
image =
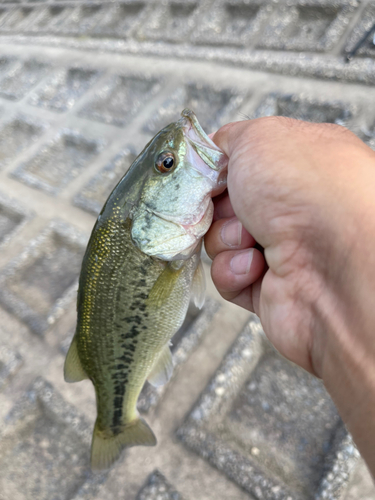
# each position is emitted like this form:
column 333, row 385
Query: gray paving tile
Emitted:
column 121, row 19
column 51, row 19
column 10, row 362
column 313, row 25
column 22, row 78
column 39, row 284
column 62, row 91
column 120, row 99
column 6, row 63
column 365, row 23
column 170, row 21
column 48, row 440
column 231, row 22
column 59, row 161
column 184, row 342
column 19, row 18
column 83, row 18
column 12, row 217
column 17, row 135
column 367, row 134
column 303, row 107
column 158, row 488
column 270, row 426
column 214, row 105
column 95, row 193
column 4, row 14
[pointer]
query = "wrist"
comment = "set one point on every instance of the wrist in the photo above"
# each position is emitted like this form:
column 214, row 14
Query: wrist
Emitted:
column 343, row 355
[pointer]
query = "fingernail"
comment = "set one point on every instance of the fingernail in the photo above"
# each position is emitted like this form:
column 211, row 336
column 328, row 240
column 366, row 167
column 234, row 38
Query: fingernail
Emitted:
column 241, row 262
column 231, row 233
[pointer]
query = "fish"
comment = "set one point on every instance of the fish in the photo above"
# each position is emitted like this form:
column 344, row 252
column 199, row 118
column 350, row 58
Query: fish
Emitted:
column 141, row 268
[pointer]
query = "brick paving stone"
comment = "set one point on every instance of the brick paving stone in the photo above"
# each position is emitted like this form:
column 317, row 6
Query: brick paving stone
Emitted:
column 50, row 19
column 17, row 135
column 366, row 22
column 95, row 193
column 53, row 450
column 59, row 161
column 158, row 488
column 63, row 90
column 10, row 362
column 120, row 99
column 216, row 105
column 170, row 21
column 268, row 417
column 231, row 22
column 82, row 19
column 306, row 108
column 121, row 20
column 314, row 25
column 21, row 78
column 19, row 19
column 12, row 217
column 39, row 284
column 4, row 14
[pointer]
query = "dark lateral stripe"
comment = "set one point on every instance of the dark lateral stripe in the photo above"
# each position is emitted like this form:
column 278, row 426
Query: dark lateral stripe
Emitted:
column 119, row 390
column 116, row 420
column 117, row 402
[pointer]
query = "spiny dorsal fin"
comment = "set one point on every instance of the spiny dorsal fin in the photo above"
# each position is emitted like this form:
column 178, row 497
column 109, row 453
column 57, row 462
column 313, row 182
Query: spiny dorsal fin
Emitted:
column 198, row 288
column 73, row 370
column 163, row 368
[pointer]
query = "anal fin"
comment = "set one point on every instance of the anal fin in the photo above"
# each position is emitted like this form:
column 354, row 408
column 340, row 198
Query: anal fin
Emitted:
column 73, row 370
column 163, row 368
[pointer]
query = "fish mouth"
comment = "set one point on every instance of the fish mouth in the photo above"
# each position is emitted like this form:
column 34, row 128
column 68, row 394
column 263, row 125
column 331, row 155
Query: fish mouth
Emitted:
column 201, row 143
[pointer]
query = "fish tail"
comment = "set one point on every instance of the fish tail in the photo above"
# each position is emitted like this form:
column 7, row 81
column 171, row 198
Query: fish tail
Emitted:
column 105, row 449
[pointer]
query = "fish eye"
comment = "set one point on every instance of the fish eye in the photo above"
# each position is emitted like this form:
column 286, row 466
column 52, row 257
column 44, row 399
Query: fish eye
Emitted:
column 165, row 162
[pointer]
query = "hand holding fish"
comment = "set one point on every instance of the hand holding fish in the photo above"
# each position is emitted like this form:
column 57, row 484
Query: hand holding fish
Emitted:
column 305, row 193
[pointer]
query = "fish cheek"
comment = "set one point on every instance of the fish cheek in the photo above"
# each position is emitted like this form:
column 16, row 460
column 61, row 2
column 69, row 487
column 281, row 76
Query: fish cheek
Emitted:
column 159, row 238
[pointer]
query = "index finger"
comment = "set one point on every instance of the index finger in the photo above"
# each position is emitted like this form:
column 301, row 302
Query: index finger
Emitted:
column 226, row 136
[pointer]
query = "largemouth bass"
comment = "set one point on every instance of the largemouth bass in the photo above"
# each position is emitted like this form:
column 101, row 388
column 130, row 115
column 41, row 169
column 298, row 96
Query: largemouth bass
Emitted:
column 141, row 266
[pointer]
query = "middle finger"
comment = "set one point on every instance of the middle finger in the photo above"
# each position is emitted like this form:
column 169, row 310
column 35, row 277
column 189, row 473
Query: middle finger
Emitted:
column 227, row 234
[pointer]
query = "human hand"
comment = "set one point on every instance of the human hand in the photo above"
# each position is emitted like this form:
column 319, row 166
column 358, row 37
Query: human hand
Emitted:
column 305, row 193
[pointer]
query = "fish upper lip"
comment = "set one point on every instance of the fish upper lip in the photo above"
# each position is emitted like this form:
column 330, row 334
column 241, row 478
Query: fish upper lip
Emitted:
column 189, row 119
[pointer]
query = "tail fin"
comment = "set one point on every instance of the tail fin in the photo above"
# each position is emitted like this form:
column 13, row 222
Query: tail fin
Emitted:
column 105, row 450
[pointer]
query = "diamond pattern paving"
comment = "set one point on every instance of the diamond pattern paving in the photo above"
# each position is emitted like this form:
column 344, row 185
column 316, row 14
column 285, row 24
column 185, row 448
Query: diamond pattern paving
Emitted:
column 58, row 162
column 83, row 87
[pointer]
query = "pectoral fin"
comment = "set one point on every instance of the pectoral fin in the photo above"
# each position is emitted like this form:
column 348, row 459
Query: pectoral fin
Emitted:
column 198, row 289
column 162, row 369
column 164, row 286
column 73, row 370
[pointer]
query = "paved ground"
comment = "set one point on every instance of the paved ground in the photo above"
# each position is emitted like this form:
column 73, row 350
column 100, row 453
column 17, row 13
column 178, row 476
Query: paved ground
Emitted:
column 83, row 86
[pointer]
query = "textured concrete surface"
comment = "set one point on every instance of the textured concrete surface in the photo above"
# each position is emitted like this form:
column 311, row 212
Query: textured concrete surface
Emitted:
column 83, row 87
